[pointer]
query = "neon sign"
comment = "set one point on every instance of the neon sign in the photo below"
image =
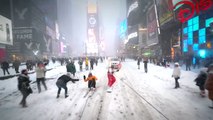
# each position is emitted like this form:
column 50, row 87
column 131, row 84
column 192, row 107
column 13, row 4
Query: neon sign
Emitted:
column 192, row 7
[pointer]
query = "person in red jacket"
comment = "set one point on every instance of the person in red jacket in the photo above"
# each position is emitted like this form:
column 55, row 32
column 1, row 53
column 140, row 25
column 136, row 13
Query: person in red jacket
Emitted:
column 111, row 80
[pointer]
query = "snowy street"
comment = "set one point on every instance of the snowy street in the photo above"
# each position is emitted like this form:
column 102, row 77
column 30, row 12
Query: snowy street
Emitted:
column 136, row 95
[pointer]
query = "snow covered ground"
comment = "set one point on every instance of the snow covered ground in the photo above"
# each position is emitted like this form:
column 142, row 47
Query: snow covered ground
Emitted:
column 136, row 95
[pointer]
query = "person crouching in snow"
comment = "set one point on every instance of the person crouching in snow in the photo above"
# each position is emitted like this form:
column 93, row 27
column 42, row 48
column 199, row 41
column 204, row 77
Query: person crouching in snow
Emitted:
column 200, row 82
column 209, row 83
column 91, row 81
column 62, row 83
column 176, row 75
column 111, row 80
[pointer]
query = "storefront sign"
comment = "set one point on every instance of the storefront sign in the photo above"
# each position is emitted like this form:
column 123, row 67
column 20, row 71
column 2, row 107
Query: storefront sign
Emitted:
column 23, row 34
column 192, row 7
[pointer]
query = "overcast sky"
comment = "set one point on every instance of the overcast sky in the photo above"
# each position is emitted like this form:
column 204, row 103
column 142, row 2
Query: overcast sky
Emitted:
column 72, row 16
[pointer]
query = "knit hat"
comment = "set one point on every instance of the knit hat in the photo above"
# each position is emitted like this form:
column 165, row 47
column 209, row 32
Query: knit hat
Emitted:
column 177, row 63
column 24, row 71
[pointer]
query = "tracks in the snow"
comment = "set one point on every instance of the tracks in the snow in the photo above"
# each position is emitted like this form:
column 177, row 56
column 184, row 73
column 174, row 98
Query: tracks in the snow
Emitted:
column 124, row 81
column 86, row 103
column 138, row 94
column 92, row 106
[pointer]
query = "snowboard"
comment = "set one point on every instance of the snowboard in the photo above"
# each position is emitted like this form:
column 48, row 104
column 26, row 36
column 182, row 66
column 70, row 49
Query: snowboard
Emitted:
column 109, row 90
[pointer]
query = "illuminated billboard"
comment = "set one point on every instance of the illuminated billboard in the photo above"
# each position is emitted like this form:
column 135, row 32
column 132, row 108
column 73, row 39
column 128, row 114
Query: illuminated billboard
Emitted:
column 123, row 29
column 164, row 11
column 152, row 37
column 6, row 36
column 92, row 28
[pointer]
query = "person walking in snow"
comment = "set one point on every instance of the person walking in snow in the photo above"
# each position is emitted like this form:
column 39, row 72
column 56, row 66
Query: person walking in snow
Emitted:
column 138, row 62
column 111, row 80
column 209, row 83
column 24, row 86
column 5, row 66
column 71, row 68
column 91, row 81
column 92, row 61
column 145, row 61
column 87, row 63
column 40, row 76
column 176, row 74
column 80, row 62
column 16, row 65
column 62, row 83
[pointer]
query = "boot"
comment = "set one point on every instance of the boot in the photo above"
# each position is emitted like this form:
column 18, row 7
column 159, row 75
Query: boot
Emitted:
column 66, row 96
column 57, row 96
column 202, row 93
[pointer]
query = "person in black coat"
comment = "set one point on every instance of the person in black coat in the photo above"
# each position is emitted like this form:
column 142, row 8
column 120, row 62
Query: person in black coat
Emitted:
column 5, row 66
column 138, row 62
column 145, row 61
column 200, row 82
column 62, row 83
column 16, row 65
column 24, row 86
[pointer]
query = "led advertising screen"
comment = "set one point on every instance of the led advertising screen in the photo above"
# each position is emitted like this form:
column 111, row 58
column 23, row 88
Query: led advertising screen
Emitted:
column 123, row 28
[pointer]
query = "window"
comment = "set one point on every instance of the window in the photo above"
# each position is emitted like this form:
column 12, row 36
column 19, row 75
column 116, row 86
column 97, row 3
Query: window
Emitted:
column 190, row 22
column 185, row 30
column 202, row 53
column 202, row 39
column 190, row 38
column 195, row 27
column 208, row 21
column 202, row 32
column 195, row 47
column 185, row 46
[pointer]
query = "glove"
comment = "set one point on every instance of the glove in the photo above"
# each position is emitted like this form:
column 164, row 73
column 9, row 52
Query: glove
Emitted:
column 84, row 77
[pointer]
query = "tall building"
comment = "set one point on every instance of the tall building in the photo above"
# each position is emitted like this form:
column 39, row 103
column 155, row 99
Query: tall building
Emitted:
column 34, row 31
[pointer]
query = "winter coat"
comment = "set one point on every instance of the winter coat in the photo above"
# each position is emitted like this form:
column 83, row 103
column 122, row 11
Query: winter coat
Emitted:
column 87, row 61
column 80, row 62
column 111, row 79
column 4, row 65
column 209, row 84
column 24, row 83
column 91, row 78
column 176, row 72
column 16, row 63
column 138, row 62
column 145, row 60
column 64, row 79
column 40, row 72
column 71, row 68
column 200, row 80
